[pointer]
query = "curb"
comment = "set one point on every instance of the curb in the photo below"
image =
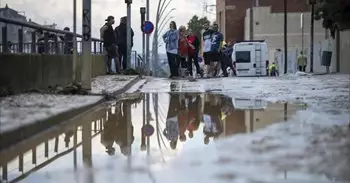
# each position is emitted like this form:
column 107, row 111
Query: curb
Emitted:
column 10, row 138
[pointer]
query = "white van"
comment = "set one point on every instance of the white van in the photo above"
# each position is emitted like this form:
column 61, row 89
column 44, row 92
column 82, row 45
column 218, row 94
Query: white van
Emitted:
column 250, row 58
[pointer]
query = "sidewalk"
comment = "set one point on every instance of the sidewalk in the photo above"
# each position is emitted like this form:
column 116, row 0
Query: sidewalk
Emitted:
column 19, row 112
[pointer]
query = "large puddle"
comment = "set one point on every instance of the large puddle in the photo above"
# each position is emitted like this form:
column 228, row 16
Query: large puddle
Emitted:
column 175, row 122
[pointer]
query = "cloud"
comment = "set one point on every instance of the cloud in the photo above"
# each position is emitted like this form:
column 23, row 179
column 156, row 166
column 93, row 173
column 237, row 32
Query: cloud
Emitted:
column 61, row 13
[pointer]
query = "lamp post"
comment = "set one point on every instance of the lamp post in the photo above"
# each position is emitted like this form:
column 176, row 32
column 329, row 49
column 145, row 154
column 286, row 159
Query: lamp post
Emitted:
column 162, row 27
column 302, row 31
column 86, row 63
column 285, row 38
column 162, row 6
column 143, row 13
column 74, row 38
column 312, row 3
column 155, row 39
column 128, row 33
column 147, row 40
column 165, row 17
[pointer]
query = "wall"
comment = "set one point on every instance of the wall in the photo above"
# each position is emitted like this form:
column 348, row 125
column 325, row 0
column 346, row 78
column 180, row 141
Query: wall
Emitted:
column 235, row 12
column 269, row 26
column 220, row 15
column 344, row 45
column 24, row 71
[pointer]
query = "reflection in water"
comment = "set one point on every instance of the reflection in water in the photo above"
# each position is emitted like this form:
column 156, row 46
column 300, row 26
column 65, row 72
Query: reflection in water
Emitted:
column 179, row 119
column 171, row 131
column 116, row 129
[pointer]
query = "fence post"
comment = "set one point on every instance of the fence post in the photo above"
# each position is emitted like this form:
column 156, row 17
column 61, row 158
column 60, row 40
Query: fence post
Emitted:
column 101, row 47
column 33, row 45
column 57, row 49
column 4, row 40
column 46, row 41
column 95, row 47
column 20, row 40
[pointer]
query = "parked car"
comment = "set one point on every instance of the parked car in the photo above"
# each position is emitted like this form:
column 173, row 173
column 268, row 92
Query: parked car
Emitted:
column 250, row 58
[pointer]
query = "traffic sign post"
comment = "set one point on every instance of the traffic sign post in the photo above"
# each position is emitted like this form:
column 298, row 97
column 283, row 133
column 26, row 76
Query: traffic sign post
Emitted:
column 148, row 130
column 143, row 18
column 148, row 27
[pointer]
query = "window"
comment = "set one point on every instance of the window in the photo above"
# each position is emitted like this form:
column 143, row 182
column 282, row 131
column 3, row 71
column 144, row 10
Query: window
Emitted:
column 242, row 56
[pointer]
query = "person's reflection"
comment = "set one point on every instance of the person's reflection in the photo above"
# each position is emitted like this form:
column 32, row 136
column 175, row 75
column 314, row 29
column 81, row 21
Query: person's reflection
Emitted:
column 212, row 117
column 194, row 113
column 173, row 86
column 183, row 116
column 226, row 106
column 68, row 136
column 171, row 131
column 121, row 137
column 109, row 133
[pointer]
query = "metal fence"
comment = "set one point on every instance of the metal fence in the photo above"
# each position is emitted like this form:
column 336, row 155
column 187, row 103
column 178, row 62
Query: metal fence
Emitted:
column 41, row 39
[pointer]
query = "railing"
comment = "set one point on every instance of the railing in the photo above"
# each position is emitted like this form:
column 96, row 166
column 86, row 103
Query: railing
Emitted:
column 49, row 147
column 58, row 47
column 42, row 39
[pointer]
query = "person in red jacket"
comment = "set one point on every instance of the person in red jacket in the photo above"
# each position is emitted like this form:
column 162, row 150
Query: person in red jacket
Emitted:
column 183, row 48
column 193, row 50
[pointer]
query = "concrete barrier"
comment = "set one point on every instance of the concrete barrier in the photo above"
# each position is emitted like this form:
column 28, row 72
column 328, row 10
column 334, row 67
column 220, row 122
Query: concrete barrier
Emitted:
column 19, row 72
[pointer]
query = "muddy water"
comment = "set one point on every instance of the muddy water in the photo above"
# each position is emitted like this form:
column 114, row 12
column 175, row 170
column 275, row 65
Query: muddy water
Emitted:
column 160, row 125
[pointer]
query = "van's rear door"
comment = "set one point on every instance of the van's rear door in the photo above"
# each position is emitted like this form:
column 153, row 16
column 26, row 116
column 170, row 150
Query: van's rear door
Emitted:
column 245, row 60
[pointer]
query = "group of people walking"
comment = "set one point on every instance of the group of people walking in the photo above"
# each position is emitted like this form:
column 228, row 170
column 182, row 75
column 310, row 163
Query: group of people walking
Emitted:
column 115, row 44
column 183, row 47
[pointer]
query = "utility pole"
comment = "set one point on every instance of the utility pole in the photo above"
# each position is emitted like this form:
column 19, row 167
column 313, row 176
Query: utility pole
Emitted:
column 302, row 31
column 128, row 33
column 143, row 13
column 148, row 121
column 148, row 66
column 255, row 3
column 312, row 3
column 74, row 38
column 285, row 38
column 86, row 61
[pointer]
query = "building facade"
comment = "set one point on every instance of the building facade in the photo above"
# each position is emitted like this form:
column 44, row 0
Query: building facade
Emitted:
column 12, row 30
column 231, row 14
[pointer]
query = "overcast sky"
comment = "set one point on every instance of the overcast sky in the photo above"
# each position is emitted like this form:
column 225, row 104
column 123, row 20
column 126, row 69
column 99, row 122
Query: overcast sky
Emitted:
column 61, row 12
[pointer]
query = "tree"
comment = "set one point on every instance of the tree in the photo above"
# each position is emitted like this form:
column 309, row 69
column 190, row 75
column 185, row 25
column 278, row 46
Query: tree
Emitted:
column 196, row 24
column 334, row 13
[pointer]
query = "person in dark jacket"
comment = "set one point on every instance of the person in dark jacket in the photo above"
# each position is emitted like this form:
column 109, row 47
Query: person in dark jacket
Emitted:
column 67, row 41
column 226, row 58
column 122, row 41
column 194, row 45
column 110, row 44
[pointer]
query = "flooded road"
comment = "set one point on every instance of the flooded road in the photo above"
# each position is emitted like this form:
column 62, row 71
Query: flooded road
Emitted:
column 159, row 126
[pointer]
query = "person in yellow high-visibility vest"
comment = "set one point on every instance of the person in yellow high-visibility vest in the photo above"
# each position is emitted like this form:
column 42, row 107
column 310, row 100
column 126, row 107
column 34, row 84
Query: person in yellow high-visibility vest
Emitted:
column 273, row 71
column 302, row 62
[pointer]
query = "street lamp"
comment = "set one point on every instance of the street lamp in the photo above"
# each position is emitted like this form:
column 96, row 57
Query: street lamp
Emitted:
column 163, row 8
column 312, row 3
column 164, row 22
column 166, row 16
column 163, row 26
column 143, row 13
column 285, row 38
